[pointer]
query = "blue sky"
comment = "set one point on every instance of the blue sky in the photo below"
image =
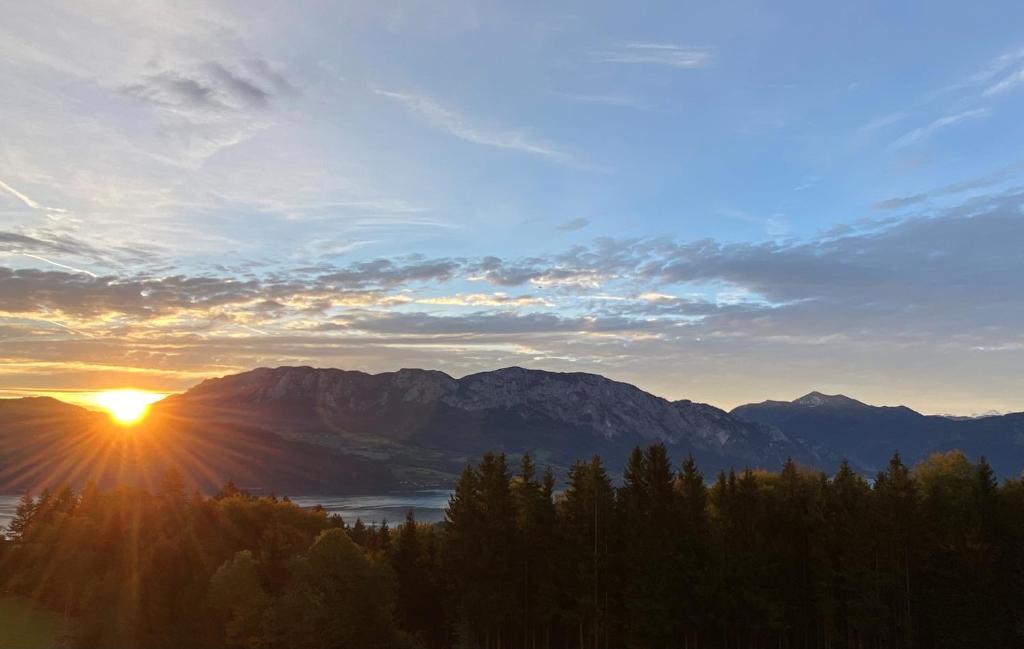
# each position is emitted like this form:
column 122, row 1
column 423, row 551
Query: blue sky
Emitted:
column 725, row 203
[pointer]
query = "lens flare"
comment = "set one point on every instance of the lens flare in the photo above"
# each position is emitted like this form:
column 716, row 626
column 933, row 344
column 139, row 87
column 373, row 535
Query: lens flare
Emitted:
column 126, row 407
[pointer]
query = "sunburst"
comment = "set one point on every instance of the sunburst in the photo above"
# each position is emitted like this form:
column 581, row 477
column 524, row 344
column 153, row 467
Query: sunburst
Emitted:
column 127, row 406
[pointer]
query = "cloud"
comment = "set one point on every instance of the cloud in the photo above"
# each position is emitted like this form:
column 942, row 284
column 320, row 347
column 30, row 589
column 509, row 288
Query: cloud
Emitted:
column 882, row 122
column 676, row 56
column 622, row 100
column 485, row 323
column 238, row 87
column 486, row 299
column 208, row 106
column 211, row 87
column 541, row 272
column 1007, row 68
column 454, row 123
column 919, row 278
column 269, row 73
column 944, row 285
column 388, row 273
column 43, row 244
column 924, row 132
column 922, row 278
column 899, row 202
column 998, row 65
column 1011, row 80
column 28, row 291
column 171, row 89
column 980, row 182
column 84, row 296
column 572, row 225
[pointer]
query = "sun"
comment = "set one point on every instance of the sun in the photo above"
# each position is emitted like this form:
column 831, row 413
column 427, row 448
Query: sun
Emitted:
column 127, row 406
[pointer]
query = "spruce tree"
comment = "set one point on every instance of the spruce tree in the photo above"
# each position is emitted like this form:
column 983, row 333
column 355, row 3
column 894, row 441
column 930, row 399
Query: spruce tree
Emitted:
column 23, row 516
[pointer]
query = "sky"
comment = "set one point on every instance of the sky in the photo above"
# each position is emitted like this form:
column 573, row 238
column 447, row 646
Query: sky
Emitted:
column 726, row 202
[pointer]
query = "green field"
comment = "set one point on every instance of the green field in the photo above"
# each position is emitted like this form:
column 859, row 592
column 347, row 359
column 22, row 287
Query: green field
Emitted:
column 23, row 625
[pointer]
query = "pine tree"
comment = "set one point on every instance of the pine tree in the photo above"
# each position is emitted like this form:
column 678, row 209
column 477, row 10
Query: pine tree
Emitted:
column 653, row 568
column 589, row 522
column 526, row 493
column 383, row 543
column 358, row 533
column 896, row 509
column 853, row 616
column 23, row 516
column 694, row 552
column 419, row 600
column 498, row 536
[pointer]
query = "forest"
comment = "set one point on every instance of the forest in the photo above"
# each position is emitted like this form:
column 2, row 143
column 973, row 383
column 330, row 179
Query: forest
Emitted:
column 928, row 556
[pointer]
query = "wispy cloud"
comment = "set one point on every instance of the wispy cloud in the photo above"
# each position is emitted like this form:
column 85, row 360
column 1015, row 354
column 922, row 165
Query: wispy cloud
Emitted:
column 486, row 299
column 51, row 244
column 1011, row 80
column 924, row 132
column 616, row 99
column 456, row 124
column 676, row 56
column 807, row 183
column 882, row 122
column 996, row 177
column 999, row 65
column 573, row 225
column 774, row 225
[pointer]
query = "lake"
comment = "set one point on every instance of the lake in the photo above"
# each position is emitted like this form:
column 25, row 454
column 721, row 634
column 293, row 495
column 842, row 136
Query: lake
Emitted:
column 428, row 506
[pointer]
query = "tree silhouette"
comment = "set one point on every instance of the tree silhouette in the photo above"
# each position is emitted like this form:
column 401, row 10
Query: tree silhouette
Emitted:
column 923, row 557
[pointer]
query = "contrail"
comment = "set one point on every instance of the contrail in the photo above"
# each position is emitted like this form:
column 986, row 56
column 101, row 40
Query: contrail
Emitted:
column 59, row 265
column 28, row 201
column 64, row 326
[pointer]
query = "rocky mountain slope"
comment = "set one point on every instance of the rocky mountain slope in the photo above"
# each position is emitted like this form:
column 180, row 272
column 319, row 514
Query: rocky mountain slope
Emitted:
column 427, row 424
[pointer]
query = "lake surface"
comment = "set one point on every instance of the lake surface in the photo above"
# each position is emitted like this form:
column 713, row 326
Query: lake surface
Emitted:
column 7, row 506
column 428, row 506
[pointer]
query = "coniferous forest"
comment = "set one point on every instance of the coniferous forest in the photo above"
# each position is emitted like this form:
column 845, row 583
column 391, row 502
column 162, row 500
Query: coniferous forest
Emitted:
column 929, row 556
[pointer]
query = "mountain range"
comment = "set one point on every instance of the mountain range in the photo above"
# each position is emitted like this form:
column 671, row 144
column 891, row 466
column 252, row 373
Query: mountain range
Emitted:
column 868, row 435
column 308, row 430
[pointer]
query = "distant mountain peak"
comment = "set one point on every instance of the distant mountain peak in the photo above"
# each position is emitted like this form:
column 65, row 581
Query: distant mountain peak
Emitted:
column 976, row 415
column 818, row 399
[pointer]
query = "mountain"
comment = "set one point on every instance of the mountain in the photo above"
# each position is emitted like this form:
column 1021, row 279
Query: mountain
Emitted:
column 868, row 435
column 977, row 415
column 306, row 430
column 427, row 425
column 38, row 435
column 45, row 442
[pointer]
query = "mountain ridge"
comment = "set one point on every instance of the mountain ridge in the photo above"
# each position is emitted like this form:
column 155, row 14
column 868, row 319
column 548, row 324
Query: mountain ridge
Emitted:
column 868, row 435
column 561, row 415
column 303, row 429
